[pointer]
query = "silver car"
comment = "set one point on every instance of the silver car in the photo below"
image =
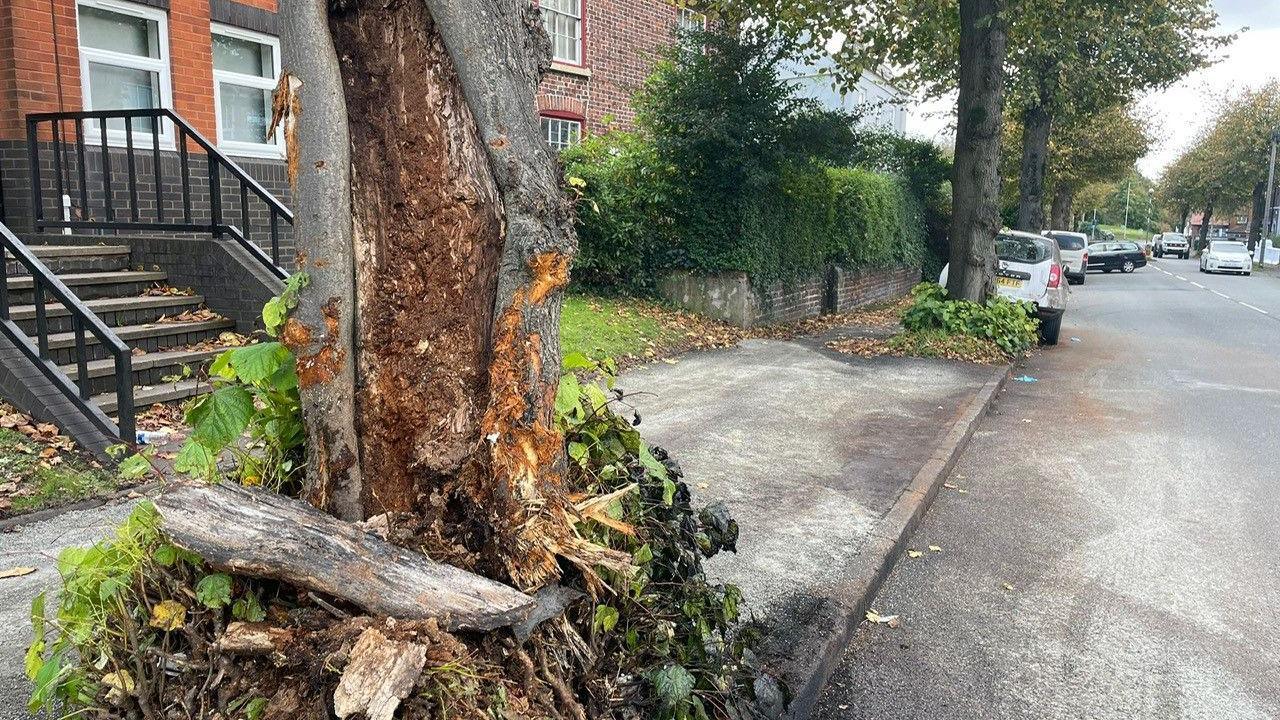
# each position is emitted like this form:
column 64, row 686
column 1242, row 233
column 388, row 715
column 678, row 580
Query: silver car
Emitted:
column 1030, row 268
column 1074, row 248
column 1171, row 243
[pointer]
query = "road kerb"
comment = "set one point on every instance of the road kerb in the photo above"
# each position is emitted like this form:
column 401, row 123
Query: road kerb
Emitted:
column 867, row 573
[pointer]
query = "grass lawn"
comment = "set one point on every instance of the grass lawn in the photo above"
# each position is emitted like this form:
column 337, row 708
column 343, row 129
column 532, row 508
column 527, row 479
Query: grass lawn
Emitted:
column 619, row 328
column 35, row 475
column 1130, row 234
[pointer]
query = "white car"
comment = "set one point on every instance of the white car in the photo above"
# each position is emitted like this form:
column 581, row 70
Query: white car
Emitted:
column 1226, row 256
column 1074, row 249
column 1029, row 268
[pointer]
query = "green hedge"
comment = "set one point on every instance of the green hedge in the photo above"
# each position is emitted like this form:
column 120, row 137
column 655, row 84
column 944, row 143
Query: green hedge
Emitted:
column 636, row 220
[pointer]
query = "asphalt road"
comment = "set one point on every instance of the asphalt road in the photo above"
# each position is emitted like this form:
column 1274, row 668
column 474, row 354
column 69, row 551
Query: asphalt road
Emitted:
column 1116, row 552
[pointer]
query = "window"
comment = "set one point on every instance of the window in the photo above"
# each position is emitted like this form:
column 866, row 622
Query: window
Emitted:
column 692, row 20
column 124, row 62
column 563, row 21
column 245, row 68
column 561, row 133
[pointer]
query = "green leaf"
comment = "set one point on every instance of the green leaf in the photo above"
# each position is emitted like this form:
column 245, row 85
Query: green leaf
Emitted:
column 248, row 608
column 133, row 467
column 606, row 617
column 214, row 591
column 257, row 363
column 165, row 555
column 195, row 459
column 651, row 463
column 568, row 396
column 643, row 555
column 256, row 709
column 221, row 416
column 672, row 684
column 577, row 361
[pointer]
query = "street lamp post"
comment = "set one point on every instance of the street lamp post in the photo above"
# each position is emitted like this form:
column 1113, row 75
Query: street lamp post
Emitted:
column 1267, row 221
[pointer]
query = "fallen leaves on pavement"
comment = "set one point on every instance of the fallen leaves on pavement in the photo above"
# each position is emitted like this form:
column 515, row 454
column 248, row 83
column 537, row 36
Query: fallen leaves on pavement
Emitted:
column 934, row 548
column 914, row 553
column 14, row 572
column 876, row 618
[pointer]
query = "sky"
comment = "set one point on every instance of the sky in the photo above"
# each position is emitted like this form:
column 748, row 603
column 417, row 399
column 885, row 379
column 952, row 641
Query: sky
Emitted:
column 1180, row 111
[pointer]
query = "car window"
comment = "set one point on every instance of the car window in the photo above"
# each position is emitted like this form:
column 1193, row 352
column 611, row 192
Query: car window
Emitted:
column 1067, row 241
column 1173, row 237
column 1022, row 249
column 1128, row 246
column 1228, row 247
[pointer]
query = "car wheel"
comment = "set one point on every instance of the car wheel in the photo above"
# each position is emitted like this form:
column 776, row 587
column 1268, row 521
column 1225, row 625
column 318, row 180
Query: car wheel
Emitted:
column 1186, row 256
column 1050, row 330
column 1159, row 254
column 1128, row 267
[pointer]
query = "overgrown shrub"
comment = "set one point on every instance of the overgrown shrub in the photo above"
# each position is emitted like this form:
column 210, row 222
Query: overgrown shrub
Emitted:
column 731, row 171
column 1010, row 325
column 623, row 226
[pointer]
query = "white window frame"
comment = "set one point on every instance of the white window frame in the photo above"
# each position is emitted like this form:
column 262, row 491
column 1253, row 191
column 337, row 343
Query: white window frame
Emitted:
column 556, row 119
column 160, row 66
column 691, row 20
column 274, row 149
column 579, row 42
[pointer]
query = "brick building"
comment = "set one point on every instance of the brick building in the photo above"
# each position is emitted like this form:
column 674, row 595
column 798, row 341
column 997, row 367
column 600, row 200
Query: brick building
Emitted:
column 603, row 51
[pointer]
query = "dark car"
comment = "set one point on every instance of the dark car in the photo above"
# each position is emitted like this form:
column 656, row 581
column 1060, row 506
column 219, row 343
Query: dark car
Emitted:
column 1123, row 256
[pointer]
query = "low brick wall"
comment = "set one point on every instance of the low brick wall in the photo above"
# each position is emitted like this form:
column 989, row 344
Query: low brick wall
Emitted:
column 732, row 296
column 855, row 289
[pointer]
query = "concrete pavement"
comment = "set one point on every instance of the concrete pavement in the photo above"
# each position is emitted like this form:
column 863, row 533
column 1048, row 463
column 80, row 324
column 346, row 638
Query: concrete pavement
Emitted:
column 812, row 450
column 1115, row 554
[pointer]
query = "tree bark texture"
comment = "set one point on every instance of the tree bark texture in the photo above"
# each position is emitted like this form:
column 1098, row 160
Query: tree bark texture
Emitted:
column 1036, row 126
column 1258, row 211
column 267, row 535
column 1202, row 238
column 1061, row 213
column 458, row 247
column 322, row 328
column 975, row 216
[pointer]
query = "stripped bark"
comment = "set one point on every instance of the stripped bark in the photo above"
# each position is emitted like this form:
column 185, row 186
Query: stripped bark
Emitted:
column 266, row 535
column 975, row 217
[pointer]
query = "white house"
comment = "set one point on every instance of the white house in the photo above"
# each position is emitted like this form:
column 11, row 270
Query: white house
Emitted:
column 882, row 104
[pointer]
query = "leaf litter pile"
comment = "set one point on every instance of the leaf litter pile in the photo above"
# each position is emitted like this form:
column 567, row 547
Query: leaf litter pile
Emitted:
column 164, row 634
column 41, row 468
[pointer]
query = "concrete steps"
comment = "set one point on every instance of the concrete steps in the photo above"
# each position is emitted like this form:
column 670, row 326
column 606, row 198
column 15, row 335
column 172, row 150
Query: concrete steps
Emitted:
column 166, row 331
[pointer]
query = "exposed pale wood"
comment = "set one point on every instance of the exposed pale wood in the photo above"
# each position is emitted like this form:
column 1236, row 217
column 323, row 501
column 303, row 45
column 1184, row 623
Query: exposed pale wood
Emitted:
column 379, row 674
column 262, row 534
column 245, row 638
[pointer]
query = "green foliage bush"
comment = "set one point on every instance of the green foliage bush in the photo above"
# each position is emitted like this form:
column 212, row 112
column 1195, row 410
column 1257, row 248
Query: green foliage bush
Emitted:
column 624, row 192
column 1010, row 325
column 730, row 171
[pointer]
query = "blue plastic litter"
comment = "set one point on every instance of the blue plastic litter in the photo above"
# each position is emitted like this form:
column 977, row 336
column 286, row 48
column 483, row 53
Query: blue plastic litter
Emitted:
column 1026, row 379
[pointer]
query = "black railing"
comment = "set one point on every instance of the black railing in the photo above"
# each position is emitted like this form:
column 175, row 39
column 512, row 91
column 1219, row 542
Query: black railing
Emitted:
column 46, row 287
column 172, row 203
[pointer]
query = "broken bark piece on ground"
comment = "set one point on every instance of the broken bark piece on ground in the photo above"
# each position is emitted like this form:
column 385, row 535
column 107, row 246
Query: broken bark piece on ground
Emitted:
column 265, row 535
column 245, row 638
column 379, row 674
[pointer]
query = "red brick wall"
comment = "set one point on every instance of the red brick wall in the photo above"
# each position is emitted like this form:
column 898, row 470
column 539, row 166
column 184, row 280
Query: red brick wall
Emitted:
column 29, row 77
column 859, row 288
column 28, row 67
column 622, row 39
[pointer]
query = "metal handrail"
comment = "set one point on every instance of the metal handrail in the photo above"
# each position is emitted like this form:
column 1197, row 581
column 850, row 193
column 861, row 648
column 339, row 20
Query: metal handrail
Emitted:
column 45, row 282
column 217, row 164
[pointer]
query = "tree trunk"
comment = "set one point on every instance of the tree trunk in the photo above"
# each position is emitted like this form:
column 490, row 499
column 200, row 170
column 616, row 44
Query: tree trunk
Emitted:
column 434, row 204
column 321, row 331
column 975, row 218
column 1257, row 213
column 1184, row 212
column 1202, row 238
column 1036, row 125
column 1062, row 214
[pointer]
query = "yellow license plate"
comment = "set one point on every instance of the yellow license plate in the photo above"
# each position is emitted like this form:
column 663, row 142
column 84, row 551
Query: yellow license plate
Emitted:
column 1008, row 282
